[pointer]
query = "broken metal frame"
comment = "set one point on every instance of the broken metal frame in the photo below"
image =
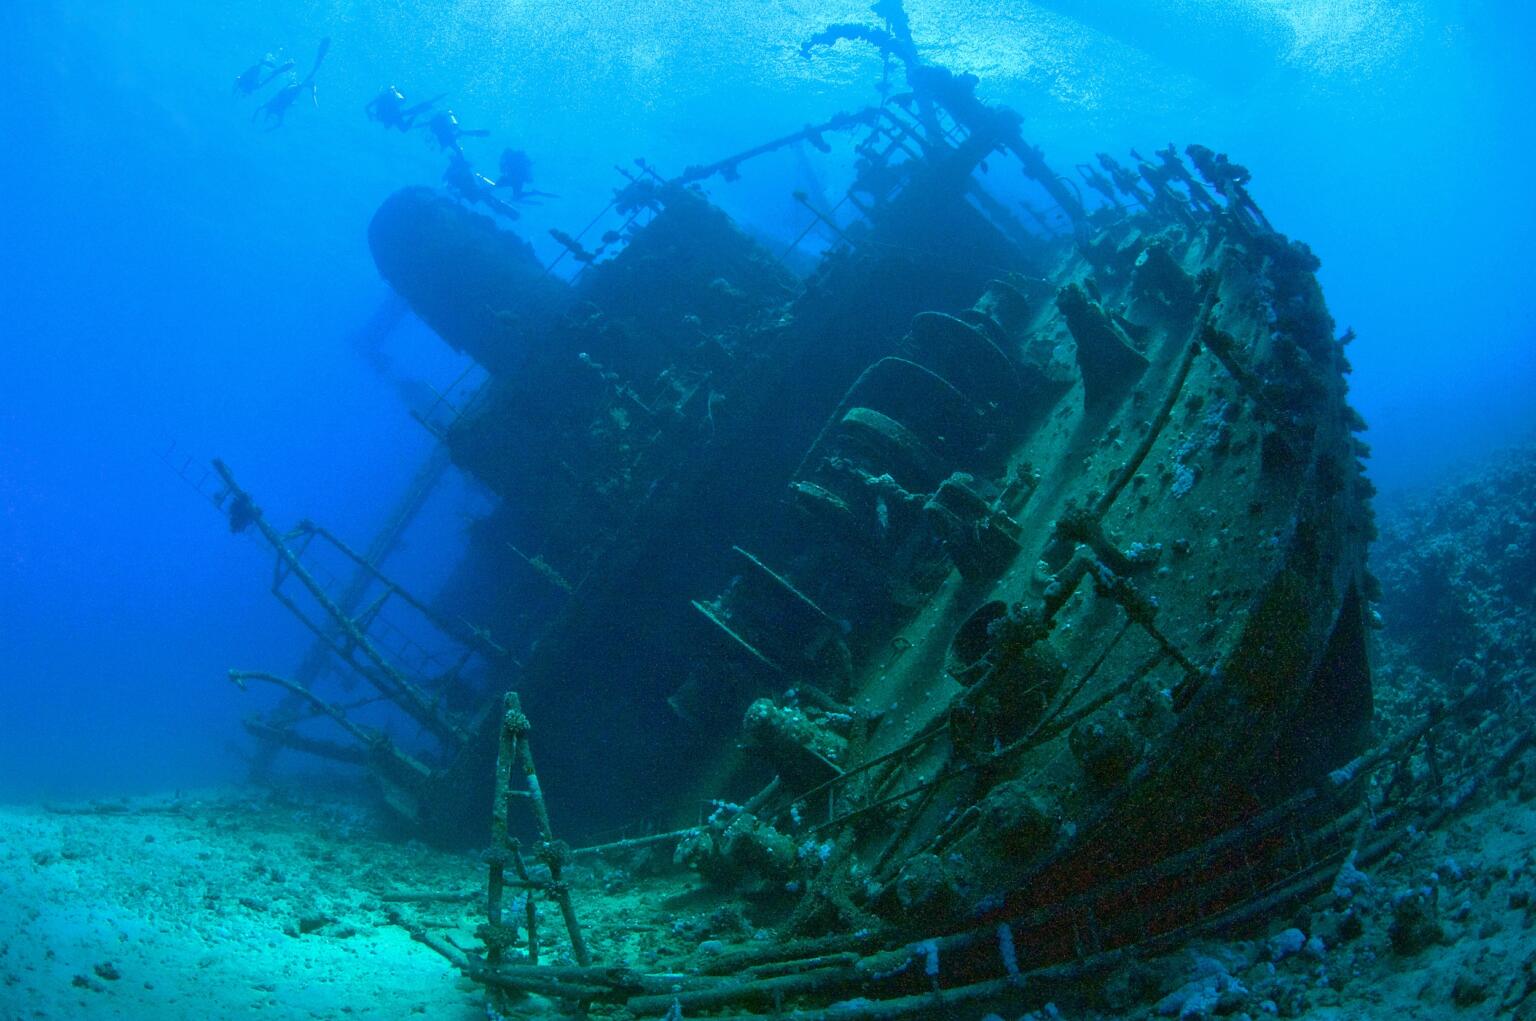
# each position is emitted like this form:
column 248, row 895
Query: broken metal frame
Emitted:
column 515, row 754
column 500, row 933
column 385, row 540
column 209, row 484
column 277, row 731
column 445, row 398
column 347, row 634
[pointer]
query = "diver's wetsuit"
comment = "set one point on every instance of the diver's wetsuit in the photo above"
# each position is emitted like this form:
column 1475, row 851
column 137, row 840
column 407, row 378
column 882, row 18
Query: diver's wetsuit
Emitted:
column 516, row 171
column 517, row 174
column 444, row 129
column 252, row 79
column 389, row 109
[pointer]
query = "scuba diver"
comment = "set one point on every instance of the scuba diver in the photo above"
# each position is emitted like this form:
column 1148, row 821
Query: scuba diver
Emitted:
column 276, row 108
column 474, row 187
column 444, row 129
column 517, row 174
column 389, row 109
column 516, row 171
column 252, row 78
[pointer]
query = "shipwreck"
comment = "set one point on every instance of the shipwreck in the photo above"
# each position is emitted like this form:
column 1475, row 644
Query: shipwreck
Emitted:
column 997, row 576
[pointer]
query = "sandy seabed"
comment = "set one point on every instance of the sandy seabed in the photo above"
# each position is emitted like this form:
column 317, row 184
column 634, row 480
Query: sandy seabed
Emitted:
column 244, row 904
column 215, row 906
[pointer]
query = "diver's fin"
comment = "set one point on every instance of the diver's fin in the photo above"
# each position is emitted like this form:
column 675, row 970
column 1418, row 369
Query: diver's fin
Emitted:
column 325, row 47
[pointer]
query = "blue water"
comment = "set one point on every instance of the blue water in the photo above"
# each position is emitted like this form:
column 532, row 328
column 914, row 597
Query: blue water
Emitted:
column 176, row 275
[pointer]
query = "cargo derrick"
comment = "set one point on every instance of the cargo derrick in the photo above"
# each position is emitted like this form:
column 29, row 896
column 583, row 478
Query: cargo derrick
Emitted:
column 1028, row 568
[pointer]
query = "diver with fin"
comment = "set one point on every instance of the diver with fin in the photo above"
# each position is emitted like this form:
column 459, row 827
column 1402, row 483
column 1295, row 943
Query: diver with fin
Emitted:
column 471, row 186
column 277, row 107
column 444, row 129
column 517, row 173
column 389, row 109
column 255, row 76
